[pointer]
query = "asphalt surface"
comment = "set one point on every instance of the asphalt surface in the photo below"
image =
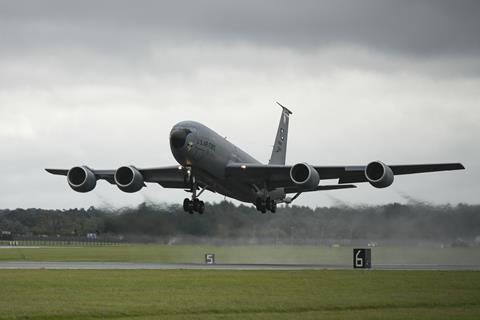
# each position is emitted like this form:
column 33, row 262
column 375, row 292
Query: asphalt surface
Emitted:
column 192, row 266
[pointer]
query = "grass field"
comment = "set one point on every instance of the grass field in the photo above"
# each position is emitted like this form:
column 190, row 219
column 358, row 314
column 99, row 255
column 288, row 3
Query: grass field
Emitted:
column 240, row 254
column 215, row 294
column 221, row 294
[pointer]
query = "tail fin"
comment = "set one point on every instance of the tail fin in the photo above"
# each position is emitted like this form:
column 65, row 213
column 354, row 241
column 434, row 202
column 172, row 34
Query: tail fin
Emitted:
column 280, row 145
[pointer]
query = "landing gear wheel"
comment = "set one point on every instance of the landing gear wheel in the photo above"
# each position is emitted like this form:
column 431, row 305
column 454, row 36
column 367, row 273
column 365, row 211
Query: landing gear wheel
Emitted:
column 201, row 207
column 191, row 209
column 186, row 204
column 273, row 206
column 196, row 204
column 261, row 205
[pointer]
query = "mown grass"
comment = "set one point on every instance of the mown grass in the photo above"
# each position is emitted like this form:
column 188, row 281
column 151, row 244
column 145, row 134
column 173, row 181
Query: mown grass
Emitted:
column 241, row 254
column 219, row 294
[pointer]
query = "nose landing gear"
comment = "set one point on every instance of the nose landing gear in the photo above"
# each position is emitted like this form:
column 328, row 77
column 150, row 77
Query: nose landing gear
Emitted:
column 193, row 205
column 264, row 205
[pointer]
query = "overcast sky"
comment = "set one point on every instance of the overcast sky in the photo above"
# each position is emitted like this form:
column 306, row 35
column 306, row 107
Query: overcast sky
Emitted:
column 101, row 83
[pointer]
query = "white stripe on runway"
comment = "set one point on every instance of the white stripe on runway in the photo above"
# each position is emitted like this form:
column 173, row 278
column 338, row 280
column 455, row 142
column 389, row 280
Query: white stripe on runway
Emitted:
column 174, row 266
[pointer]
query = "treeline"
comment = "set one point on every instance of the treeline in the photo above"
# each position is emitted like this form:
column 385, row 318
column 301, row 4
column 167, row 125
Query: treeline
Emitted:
column 228, row 221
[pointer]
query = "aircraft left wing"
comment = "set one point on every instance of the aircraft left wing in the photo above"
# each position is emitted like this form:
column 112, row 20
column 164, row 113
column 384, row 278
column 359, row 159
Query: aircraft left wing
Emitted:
column 277, row 176
column 357, row 174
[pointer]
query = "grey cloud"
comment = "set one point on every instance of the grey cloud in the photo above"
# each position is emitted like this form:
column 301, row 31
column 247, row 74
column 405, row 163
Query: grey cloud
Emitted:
column 429, row 28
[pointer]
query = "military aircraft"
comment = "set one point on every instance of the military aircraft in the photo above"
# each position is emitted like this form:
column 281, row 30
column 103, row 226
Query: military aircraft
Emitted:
column 208, row 161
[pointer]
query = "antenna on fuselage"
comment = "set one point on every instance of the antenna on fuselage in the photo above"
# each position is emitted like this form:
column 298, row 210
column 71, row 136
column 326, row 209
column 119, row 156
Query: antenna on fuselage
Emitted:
column 279, row 150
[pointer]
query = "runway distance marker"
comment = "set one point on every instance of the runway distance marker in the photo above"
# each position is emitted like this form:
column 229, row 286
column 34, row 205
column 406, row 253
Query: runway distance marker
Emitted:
column 362, row 258
column 209, row 258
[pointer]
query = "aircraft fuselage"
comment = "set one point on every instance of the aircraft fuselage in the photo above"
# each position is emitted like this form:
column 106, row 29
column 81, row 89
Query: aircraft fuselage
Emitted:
column 207, row 154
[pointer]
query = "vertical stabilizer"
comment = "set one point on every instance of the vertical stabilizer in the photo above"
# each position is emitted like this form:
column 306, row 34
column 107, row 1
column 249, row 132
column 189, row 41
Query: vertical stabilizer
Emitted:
column 280, row 145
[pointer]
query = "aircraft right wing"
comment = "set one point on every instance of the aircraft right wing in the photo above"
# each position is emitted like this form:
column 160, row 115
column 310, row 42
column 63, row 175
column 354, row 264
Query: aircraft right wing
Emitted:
column 167, row 177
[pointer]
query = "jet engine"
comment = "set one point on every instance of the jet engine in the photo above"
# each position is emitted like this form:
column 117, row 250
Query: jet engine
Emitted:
column 379, row 174
column 129, row 179
column 81, row 179
column 305, row 176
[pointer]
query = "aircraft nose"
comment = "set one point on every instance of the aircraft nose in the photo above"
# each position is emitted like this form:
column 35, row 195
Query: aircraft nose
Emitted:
column 178, row 137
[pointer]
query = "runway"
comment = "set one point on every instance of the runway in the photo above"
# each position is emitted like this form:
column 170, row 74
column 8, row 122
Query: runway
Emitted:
column 193, row 266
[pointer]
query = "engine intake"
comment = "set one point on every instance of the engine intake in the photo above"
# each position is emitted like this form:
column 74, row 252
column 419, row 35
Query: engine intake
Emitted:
column 81, row 179
column 129, row 179
column 379, row 174
column 305, row 176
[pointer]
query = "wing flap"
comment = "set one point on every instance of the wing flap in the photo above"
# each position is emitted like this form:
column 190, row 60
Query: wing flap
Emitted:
column 322, row 188
column 168, row 177
column 273, row 175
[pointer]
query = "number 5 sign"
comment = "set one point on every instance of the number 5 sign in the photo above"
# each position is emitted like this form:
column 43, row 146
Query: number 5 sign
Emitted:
column 362, row 258
column 209, row 258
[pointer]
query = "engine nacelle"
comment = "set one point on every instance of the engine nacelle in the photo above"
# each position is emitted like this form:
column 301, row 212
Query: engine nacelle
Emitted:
column 379, row 174
column 81, row 179
column 305, row 176
column 129, row 179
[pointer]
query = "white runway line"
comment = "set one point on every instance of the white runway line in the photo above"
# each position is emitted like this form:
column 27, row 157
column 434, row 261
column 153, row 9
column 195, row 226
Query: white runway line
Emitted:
column 192, row 266
column 19, row 247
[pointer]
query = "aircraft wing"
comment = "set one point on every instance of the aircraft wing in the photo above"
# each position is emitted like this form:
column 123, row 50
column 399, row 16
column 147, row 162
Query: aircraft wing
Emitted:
column 356, row 174
column 167, row 177
column 276, row 176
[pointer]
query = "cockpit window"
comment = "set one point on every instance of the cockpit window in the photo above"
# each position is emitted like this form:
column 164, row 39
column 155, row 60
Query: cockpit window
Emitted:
column 178, row 137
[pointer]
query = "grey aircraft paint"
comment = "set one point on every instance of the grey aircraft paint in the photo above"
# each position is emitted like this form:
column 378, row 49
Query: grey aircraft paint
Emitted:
column 207, row 154
column 208, row 161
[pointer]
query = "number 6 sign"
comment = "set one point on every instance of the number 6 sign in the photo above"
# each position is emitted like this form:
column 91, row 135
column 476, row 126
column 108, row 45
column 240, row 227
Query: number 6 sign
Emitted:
column 362, row 258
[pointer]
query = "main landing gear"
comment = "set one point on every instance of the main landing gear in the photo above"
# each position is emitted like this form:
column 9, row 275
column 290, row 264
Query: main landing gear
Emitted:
column 264, row 205
column 194, row 205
